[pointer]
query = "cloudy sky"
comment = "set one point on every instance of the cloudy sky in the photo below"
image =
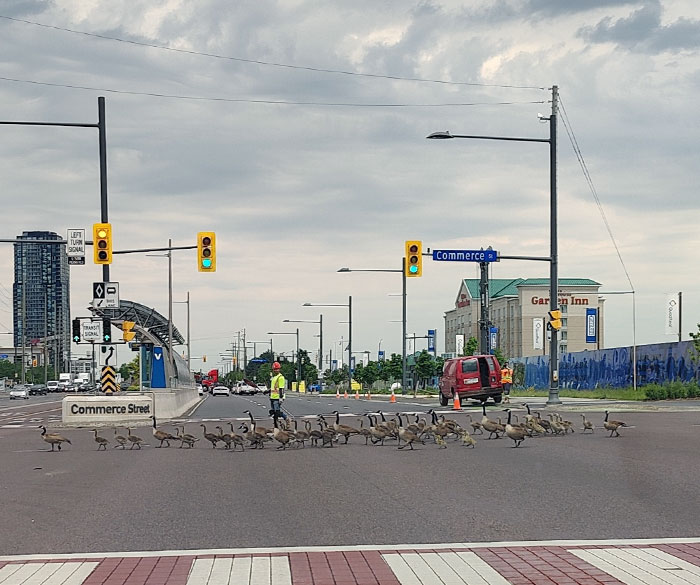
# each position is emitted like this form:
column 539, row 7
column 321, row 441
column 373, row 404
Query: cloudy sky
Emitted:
column 296, row 131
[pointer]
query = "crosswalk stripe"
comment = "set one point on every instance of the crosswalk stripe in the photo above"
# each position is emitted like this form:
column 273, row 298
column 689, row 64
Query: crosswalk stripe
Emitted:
column 71, row 573
column 443, row 568
column 641, row 566
column 241, row 571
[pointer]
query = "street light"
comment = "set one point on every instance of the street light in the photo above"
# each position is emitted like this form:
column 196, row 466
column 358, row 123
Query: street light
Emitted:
column 553, row 254
column 403, row 312
column 189, row 364
column 320, row 337
column 349, row 306
column 298, row 360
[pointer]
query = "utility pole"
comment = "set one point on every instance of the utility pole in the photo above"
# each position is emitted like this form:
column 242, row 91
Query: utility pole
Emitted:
column 484, row 320
column 553, row 253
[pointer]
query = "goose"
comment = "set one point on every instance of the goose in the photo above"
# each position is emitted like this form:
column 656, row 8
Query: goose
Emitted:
column 101, row 441
column 491, row 426
column 255, row 427
column 53, row 438
column 566, row 424
column 365, row 432
column 467, row 439
column 254, row 439
column 327, row 435
column 121, row 440
column 556, row 426
column 476, row 425
column 282, row 437
column 516, row 433
column 345, row 430
column 544, row 423
column 224, row 437
column 534, row 426
column 609, row 425
column 162, row 436
column 236, row 439
column 442, row 444
column 378, row 434
column 133, row 439
column 405, row 435
column 211, row 437
column 186, row 438
column 389, row 425
column 314, row 435
column 587, row 425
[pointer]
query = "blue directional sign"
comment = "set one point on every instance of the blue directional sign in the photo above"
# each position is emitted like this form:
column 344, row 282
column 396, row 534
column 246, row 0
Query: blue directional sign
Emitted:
column 465, row 255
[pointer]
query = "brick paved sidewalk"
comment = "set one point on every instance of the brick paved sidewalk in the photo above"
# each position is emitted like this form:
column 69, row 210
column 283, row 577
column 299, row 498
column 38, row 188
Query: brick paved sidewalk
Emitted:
column 633, row 562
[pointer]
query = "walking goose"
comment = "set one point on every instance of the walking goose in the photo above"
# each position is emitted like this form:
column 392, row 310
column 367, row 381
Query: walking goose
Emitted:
column 345, row 430
column 224, row 437
column 476, row 425
column 377, row 433
column 467, row 439
column 101, row 441
column 53, row 438
column 405, row 435
column 491, row 426
column 256, row 427
column 518, row 434
column 609, row 425
column 282, row 437
column 133, row 439
column 162, row 436
column 186, row 438
column 211, row 437
column 120, row 439
column 587, row 425
column 236, row 439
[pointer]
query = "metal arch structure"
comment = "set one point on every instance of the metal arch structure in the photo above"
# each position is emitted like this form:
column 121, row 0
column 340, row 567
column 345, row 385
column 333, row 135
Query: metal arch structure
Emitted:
column 147, row 320
column 150, row 327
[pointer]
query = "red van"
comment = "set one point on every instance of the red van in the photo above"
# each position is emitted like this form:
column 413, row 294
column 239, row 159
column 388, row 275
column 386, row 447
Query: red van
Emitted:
column 474, row 377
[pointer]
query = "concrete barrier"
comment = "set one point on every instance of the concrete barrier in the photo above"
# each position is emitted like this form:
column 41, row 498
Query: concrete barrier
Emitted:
column 128, row 408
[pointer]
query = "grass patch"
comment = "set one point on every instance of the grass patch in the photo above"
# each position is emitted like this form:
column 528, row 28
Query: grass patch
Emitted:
column 607, row 393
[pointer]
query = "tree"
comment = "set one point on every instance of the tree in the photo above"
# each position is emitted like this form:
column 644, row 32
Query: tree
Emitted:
column 424, row 369
column 8, row 369
column 130, row 371
column 394, row 367
column 471, row 347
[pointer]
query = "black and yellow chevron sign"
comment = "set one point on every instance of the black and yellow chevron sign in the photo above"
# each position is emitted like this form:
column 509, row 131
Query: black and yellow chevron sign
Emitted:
column 108, row 380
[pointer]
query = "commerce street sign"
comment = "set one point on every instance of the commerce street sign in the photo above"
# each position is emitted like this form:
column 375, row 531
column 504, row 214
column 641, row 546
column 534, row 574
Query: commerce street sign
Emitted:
column 465, row 255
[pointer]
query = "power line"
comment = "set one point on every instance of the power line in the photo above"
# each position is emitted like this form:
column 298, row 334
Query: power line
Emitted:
column 262, row 101
column 591, row 186
column 269, row 63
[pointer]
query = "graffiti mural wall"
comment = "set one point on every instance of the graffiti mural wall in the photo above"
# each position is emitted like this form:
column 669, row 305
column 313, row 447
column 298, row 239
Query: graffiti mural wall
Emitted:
column 657, row 363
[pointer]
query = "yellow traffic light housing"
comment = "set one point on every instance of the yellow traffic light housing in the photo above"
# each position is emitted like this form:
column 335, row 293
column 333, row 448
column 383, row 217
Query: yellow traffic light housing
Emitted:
column 102, row 243
column 414, row 258
column 555, row 320
column 127, row 330
column 206, row 252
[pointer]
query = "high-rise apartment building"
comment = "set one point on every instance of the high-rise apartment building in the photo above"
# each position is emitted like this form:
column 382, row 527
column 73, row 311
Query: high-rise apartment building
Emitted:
column 41, row 297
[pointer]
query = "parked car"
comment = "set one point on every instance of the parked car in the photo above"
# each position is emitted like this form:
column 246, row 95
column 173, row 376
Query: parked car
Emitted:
column 315, row 387
column 53, row 386
column 200, row 389
column 221, row 391
column 474, row 377
column 262, row 388
column 37, row 389
column 19, row 392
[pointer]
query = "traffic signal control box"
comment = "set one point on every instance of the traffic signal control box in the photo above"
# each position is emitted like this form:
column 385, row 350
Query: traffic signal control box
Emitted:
column 414, row 258
column 554, row 320
column 127, row 330
column 102, row 243
column 206, row 252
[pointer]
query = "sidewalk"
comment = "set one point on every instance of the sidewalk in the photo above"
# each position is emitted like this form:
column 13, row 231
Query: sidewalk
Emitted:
column 671, row 561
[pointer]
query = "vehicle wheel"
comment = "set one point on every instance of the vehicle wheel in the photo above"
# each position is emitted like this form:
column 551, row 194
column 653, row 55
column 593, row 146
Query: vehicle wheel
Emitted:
column 443, row 399
column 498, row 399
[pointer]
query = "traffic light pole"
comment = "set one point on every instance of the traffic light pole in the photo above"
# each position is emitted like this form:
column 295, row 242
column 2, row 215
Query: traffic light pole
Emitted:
column 102, row 136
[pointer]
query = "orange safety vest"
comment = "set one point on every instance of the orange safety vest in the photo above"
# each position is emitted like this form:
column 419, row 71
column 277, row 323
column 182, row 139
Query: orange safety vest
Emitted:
column 507, row 376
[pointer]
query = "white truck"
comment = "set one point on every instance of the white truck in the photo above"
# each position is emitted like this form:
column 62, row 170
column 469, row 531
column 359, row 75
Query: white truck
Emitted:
column 65, row 379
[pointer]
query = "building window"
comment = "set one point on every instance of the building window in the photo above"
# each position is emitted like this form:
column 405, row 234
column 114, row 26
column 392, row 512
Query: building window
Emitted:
column 564, row 308
column 564, row 322
column 563, row 335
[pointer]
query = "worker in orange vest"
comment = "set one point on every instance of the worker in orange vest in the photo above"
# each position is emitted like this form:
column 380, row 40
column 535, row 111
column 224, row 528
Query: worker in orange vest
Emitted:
column 506, row 378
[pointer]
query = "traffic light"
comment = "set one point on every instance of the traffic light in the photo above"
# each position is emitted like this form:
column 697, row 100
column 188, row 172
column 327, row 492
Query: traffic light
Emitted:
column 204, row 358
column 414, row 258
column 76, row 330
column 106, row 331
column 102, row 243
column 206, row 252
column 127, row 333
column 554, row 320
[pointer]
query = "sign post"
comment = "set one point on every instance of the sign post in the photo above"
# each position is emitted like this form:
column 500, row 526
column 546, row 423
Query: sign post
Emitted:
column 105, row 295
column 465, row 255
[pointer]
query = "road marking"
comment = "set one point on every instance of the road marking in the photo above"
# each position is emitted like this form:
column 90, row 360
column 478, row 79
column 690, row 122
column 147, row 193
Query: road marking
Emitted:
column 240, row 571
column 446, row 568
column 641, row 566
column 11, row 426
column 46, row 573
column 33, row 404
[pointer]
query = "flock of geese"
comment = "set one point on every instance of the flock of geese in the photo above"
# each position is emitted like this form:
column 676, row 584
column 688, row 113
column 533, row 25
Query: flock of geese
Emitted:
column 439, row 430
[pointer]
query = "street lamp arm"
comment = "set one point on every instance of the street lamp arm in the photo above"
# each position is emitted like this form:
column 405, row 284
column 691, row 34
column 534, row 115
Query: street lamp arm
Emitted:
column 368, row 270
column 444, row 135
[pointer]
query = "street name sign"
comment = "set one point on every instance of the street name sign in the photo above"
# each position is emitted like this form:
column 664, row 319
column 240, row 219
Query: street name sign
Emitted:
column 91, row 330
column 465, row 255
column 105, row 295
column 75, row 247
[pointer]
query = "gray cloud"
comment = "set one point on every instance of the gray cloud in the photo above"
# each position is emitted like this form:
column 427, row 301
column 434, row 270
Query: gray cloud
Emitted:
column 643, row 31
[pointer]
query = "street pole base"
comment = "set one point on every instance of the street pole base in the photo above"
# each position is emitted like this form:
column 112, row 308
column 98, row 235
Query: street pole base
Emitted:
column 553, row 399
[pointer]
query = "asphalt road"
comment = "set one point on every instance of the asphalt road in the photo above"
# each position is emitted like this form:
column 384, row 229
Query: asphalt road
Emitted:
column 643, row 484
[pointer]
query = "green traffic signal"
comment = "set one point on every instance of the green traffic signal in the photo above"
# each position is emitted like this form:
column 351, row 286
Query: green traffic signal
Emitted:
column 413, row 269
column 206, row 262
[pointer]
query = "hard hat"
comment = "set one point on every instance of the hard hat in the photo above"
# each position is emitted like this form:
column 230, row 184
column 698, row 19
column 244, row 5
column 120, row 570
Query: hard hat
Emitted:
column 276, row 366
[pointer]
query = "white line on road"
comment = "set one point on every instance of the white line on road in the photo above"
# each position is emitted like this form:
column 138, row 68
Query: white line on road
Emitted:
column 46, row 573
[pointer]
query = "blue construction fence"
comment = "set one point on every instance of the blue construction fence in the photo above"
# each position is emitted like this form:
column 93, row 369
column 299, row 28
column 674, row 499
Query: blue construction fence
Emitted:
column 657, row 363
